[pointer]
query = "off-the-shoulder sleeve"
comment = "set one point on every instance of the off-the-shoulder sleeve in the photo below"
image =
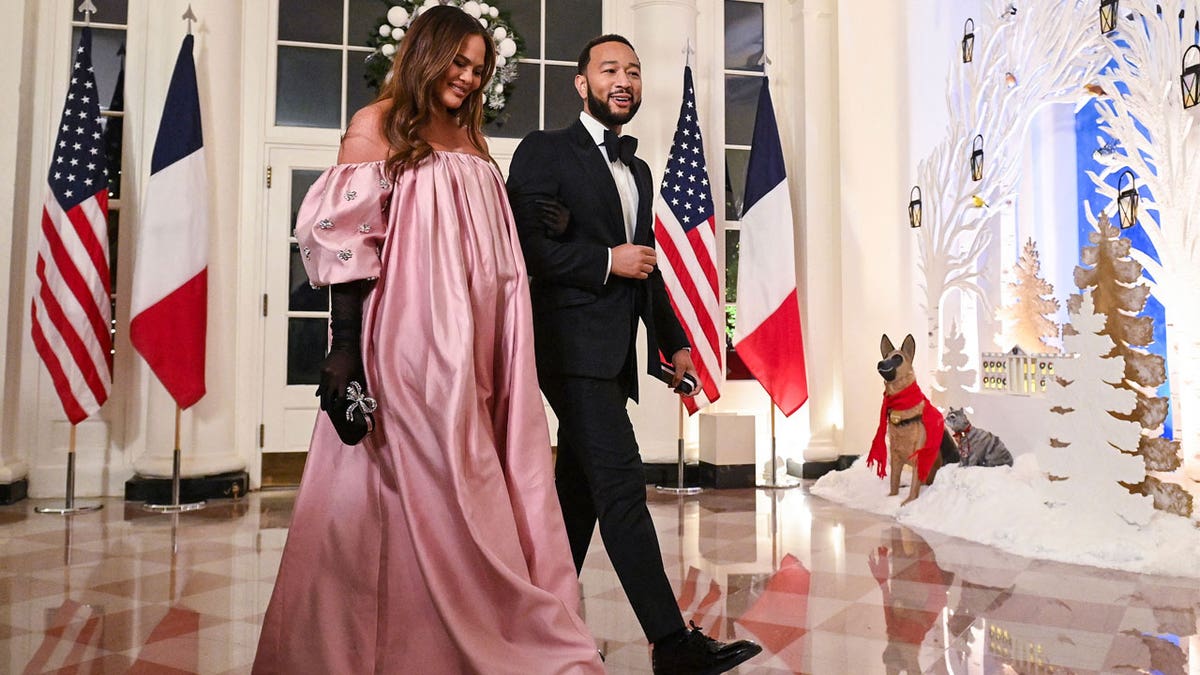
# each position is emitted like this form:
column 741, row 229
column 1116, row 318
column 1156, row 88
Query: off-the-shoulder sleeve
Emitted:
column 342, row 222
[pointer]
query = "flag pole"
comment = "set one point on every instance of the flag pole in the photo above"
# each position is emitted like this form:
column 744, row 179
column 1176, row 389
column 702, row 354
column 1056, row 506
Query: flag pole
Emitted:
column 69, row 507
column 680, row 488
column 175, row 506
column 775, row 483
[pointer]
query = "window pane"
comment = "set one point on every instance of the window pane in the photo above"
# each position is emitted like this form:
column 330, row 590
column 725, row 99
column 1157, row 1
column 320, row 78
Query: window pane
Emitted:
column 108, row 62
column 358, row 92
column 108, row 11
column 302, row 180
column 735, row 182
column 307, row 339
column 311, row 21
column 569, row 25
column 520, row 115
column 732, row 239
column 113, row 127
column 114, row 227
column 302, row 297
column 562, row 101
column 741, row 102
column 525, row 16
column 743, row 35
column 309, row 88
column 365, row 18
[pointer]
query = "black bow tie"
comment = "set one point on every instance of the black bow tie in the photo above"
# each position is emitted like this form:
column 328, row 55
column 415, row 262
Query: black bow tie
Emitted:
column 619, row 147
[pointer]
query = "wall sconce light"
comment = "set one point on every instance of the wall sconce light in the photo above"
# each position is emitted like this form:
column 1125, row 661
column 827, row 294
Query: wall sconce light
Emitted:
column 1108, row 15
column 1189, row 79
column 968, row 41
column 914, row 207
column 977, row 158
column 1127, row 200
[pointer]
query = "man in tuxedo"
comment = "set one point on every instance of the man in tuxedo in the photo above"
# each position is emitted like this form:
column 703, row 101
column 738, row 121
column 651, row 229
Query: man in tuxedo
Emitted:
column 582, row 202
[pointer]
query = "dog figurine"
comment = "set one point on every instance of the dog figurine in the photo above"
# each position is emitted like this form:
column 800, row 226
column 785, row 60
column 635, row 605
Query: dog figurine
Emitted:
column 915, row 430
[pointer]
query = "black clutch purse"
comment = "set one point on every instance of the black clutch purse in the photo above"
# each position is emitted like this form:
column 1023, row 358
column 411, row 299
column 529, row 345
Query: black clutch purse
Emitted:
column 352, row 414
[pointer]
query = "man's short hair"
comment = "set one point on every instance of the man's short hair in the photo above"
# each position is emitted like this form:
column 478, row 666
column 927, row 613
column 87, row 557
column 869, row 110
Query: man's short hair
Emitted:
column 585, row 56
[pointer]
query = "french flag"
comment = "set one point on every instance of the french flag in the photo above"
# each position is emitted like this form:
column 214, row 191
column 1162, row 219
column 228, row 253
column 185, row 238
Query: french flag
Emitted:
column 767, row 334
column 169, row 300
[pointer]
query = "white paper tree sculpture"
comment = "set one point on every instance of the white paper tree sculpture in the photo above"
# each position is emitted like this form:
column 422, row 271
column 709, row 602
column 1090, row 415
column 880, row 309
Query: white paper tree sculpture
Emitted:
column 953, row 379
column 1027, row 320
column 1119, row 292
column 1045, row 53
column 1156, row 138
column 1090, row 452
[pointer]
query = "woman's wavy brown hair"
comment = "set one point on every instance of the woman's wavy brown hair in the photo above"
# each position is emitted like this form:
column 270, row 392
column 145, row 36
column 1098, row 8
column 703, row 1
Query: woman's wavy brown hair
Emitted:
column 426, row 53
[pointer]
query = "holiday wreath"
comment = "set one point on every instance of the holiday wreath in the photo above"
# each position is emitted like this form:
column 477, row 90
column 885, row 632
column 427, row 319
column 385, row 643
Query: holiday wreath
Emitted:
column 400, row 15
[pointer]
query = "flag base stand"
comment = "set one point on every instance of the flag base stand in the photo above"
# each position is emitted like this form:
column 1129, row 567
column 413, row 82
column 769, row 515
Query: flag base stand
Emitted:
column 70, row 507
column 788, row 481
column 680, row 488
column 175, row 506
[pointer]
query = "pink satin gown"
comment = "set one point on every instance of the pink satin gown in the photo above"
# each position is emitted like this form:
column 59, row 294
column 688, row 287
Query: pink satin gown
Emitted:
column 436, row 546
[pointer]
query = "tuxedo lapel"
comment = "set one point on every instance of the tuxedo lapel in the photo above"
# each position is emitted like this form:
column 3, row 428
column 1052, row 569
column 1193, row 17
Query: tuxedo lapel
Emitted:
column 645, row 217
column 596, row 172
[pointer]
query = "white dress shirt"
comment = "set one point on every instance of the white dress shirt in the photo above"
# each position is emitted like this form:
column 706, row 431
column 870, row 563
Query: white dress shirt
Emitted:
column 622, row 177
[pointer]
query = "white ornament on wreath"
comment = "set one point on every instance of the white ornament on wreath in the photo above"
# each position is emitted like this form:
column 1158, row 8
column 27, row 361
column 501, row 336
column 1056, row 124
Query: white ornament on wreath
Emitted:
column 400, row 15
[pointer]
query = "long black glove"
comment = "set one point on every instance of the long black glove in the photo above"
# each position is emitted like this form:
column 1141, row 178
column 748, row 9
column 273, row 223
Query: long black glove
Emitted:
column 554, row 217
column 343, row 388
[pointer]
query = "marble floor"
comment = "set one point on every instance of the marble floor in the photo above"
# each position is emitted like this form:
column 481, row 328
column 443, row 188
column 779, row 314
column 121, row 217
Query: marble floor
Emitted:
column 825, row 589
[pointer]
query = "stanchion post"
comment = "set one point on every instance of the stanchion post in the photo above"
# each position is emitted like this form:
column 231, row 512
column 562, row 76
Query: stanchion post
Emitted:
column 680, row 488
column 69, row 507
column 774, row 483
column 176, row 460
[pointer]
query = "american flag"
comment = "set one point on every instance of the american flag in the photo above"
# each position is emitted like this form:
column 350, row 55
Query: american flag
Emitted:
column 71, row 310
column 685, row 231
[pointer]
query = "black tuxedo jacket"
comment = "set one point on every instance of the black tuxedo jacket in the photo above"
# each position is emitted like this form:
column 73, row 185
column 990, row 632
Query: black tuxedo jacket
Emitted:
column 582, row 325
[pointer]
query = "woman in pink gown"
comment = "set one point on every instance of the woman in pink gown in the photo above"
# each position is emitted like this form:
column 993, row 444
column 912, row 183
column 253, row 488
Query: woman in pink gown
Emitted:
column 435, row 545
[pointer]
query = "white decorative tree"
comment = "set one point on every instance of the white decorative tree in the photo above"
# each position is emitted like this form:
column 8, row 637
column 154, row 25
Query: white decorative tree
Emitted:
column 1089, row 455
column 1043, row 53
column 953, row 378
column 1157, row 139
column 1028, row 320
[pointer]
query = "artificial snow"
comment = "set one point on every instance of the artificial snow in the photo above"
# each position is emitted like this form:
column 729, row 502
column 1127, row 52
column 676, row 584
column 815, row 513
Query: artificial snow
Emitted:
column 1005, row 507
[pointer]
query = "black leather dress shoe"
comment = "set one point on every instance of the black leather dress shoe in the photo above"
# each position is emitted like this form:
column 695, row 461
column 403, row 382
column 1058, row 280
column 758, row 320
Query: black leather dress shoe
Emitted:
column 697, row 654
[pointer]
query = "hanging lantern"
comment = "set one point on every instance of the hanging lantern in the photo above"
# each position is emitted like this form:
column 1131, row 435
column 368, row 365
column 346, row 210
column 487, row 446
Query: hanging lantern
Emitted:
column 1127, row 200
column 914, row 207
column 1108, row 15
column 1189, row 79
column 977, row 158
column 968, row 41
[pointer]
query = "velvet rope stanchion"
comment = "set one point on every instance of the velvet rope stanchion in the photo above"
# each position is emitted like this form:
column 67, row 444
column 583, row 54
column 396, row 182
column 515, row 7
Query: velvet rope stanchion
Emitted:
column 775, row 483
column 175, row 506
column 680, row 488
column 69, row 506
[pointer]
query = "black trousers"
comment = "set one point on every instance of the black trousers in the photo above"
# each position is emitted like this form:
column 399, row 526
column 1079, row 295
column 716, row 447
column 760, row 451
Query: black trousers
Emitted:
column 600, row 478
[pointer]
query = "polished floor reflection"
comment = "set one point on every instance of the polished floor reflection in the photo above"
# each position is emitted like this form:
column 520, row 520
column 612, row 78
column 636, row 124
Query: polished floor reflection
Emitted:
column 824, row 588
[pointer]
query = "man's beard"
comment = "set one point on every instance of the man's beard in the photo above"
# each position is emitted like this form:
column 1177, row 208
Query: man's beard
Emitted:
column 604, row 115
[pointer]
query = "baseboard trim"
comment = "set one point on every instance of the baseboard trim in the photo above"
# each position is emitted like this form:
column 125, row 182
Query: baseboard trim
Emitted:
column 217, row 486
column 727, row 476
column 11, row 493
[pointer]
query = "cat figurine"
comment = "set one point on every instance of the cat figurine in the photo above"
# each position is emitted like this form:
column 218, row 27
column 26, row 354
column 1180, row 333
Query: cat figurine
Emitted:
column 976, row 447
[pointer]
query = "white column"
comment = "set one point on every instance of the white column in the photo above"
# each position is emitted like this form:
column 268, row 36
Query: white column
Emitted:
column 14, row 206
column 209, row 442
column 662, row 58
column 879, row 290
column 820, row 263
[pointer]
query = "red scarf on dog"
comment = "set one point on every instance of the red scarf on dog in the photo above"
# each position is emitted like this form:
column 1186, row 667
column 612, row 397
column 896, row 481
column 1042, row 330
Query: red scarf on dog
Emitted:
column 931, row 417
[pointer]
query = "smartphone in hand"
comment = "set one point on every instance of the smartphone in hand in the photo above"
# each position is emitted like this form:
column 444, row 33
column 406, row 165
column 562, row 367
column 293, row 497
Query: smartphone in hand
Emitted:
column 687, row 386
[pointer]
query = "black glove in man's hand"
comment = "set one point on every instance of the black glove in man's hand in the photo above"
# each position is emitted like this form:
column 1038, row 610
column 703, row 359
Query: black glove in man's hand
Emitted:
column 554, row 217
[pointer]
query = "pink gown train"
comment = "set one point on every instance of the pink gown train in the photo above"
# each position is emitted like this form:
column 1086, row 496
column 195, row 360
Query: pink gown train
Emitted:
column 436, row 545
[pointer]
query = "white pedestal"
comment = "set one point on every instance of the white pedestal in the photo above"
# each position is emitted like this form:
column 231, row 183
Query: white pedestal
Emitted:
column 727, row 439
